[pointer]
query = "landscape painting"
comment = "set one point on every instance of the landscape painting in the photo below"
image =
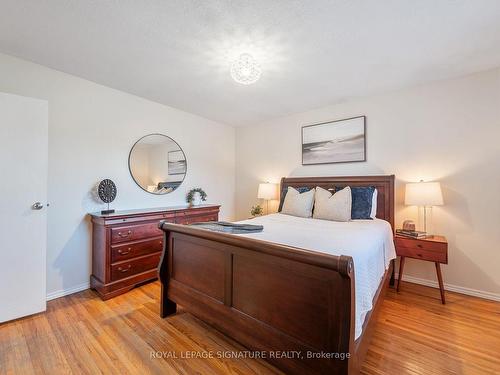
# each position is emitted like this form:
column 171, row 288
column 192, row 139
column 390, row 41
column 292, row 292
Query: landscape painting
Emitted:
column 176, row 162
column 339, row 141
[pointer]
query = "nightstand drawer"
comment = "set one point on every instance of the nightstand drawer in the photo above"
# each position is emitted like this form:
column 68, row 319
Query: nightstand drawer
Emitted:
column 421, row 244
column 424, row 254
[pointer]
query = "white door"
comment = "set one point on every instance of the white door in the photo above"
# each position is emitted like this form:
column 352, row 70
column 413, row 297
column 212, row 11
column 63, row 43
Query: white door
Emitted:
column 23, row 226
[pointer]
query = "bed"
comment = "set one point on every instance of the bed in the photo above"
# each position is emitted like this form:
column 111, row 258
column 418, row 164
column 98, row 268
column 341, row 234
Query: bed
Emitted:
column 306, row 302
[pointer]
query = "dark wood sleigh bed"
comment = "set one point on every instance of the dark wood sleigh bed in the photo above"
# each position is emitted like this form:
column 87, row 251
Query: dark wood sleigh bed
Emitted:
column 274, row 298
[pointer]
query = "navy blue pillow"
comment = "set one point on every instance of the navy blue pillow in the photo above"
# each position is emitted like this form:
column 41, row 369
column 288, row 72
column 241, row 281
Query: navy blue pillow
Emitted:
column 284, row 190
column 361, row 202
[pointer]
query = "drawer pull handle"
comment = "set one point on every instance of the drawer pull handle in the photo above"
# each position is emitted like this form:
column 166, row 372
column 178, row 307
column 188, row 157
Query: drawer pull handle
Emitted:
column 121, row 252
column 124, row 235
column 419, row 246
column 125, row 269
column 419, row 255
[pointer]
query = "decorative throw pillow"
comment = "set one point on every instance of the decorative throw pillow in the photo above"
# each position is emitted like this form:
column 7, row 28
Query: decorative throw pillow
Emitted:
column 301, row 189
column 336, row 207
column 362, row 202
column 298, row 204
column 362, row 198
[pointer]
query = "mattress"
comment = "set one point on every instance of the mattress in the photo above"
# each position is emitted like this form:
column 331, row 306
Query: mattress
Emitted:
column 369, row 243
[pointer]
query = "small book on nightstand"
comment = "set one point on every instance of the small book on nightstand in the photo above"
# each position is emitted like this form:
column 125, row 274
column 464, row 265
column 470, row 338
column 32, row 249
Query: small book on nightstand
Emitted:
column 412, row 233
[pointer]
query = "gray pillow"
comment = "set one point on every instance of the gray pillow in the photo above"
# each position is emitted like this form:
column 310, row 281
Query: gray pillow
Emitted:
column 298, row 204
column 335, row 207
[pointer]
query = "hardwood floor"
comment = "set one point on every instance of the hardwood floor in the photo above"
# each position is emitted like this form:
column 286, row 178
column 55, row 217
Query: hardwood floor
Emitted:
column 81, row 334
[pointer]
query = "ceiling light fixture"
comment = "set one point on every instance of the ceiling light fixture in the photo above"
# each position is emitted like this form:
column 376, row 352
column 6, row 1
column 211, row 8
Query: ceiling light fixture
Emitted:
column 245, row 69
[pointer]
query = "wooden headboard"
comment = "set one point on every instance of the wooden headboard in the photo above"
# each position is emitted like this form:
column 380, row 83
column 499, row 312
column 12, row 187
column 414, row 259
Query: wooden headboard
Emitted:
column 384, row 185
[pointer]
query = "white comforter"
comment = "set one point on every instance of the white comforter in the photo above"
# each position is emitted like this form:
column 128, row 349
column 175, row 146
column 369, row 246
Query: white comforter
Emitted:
column 368, row 242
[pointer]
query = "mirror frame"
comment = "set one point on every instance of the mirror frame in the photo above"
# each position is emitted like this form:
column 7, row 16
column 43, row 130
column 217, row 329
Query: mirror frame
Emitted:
column 130, row 169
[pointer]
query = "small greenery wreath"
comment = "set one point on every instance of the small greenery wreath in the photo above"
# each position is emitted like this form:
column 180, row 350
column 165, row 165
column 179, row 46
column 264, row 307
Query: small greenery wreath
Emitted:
column 190, row 194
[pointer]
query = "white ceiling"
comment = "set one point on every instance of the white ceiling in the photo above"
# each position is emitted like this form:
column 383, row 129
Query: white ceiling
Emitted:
column 313, row 53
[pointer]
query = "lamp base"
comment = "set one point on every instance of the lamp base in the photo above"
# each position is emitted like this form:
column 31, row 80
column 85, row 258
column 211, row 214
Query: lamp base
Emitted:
column 427, row 216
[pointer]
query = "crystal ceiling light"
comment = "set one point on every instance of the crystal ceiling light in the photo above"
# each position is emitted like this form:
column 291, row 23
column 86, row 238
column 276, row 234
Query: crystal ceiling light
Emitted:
column 245, row 69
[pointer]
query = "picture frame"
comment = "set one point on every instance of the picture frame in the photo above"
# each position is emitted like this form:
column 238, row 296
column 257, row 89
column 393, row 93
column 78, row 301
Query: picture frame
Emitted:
column 337, row 141
column 176, row 163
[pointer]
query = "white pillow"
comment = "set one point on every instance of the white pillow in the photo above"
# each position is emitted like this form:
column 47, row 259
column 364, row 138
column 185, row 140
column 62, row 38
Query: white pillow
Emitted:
column 297, row 204
column 336, row 207
column 373, row 214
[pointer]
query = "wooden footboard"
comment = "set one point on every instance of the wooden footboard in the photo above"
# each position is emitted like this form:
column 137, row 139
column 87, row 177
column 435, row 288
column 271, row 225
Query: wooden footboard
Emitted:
column 294, row 305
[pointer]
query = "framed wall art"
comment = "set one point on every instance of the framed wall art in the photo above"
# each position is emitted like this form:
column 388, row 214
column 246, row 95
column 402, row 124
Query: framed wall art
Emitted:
column 340, row 141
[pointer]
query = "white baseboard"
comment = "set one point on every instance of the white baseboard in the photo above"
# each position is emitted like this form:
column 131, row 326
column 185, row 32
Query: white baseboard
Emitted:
column 452, row 288
column 65, row 292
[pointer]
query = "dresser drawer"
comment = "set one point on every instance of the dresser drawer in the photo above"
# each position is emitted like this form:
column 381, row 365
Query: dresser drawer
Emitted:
column 132, row 220
column 135, row 249
column 137, row 265
column 135, row 232
column 196, row 219
column 426, row 250
column 196, row 212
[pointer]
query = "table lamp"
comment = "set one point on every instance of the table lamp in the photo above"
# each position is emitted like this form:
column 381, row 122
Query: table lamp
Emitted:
column 267, row 191
column 424, row 194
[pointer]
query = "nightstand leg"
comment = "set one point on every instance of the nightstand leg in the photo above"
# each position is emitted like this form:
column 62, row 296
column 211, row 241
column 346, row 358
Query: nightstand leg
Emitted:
column 401, row 267
column 440, row 279
column 391, row 281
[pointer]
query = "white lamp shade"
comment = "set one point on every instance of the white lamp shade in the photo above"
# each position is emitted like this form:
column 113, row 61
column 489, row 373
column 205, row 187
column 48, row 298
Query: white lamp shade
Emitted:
column 423, row 194
column 267, row 191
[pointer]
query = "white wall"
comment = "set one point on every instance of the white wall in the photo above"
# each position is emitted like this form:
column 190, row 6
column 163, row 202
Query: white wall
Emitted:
column 447, row 131
column 91, row 130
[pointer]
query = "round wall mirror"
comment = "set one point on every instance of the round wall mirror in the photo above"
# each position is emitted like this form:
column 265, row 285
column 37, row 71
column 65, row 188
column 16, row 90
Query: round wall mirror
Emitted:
column 157, row 164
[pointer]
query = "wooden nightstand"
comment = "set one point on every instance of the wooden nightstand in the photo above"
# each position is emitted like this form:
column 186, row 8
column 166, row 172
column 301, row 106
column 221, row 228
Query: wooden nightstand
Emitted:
column 432, row 249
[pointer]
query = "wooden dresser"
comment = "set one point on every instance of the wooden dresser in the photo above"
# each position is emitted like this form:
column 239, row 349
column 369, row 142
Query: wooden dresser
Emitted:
column 127, row 245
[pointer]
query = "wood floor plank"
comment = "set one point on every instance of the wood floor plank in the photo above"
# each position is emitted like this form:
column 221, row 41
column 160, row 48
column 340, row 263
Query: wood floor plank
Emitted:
column 83, row 353
column 165, row 338
column 415, row 334
column 14, row 352
column 215, row 342
column 80, row 334
column 45, row 353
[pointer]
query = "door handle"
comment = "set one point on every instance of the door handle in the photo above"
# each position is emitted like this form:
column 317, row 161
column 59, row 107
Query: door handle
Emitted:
column 37, row 206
